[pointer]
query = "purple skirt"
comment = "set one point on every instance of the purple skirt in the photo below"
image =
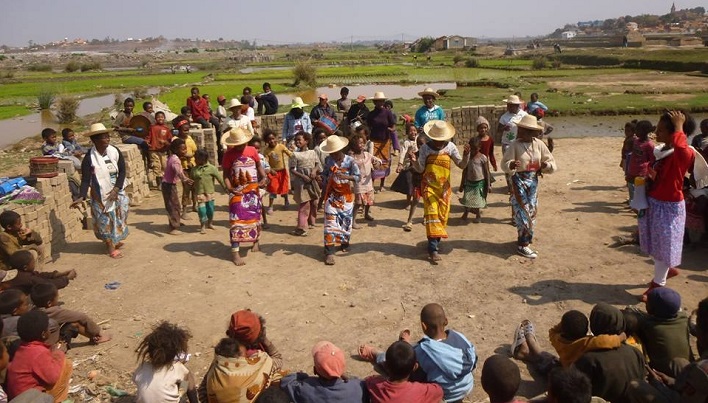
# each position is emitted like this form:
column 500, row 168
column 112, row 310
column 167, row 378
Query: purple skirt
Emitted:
column 661, row 231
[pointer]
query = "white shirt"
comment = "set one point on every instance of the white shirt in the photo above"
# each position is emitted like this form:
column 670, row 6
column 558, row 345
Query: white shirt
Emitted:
column 510, row 119
column 159, row 386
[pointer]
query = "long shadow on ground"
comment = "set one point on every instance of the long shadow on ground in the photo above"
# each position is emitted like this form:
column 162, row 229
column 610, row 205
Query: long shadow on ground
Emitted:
column 550, row 291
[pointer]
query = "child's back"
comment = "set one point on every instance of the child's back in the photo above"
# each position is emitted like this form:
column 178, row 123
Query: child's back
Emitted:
column 159, row 385
column 570, row 340
column 664, row 331
column 448, row 363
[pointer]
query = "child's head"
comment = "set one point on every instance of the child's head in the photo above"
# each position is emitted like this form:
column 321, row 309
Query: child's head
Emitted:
column 663, row 303
column 642, row 129
column 534, row 97
column 270, row 138
column 329, row 360
column 13, row 302
column 344, row 92
column 433, row 319
column 10, row 221
column 68, row 134
column 44, row 295
column 363, row 130
column 357, row 143
column 474, row 145
column 631, row 322
column 185, row 111
column 33, row 326
column 704, row 127
column 666, row 127
column 302, row 140
column 606, row 319
column 420, row 140
column 482, row 126
column 500, row 378
column 256, row 143
column 400, row 361
column 411, row 132
column 195, row 92
column 201, row 156
column 629, row 128
column 181, row 123
column 388, row 104
column 49, row 135
column 246, row 326
column 568, row 385
column 574, row 325
column 165, row 343
column 128, row 105
column 160, row 117
column 147, row 107
column 266, row 87
column 246, row 91
column 22, row 260
column 319, row 135
column 178, row 147
column 230, row 348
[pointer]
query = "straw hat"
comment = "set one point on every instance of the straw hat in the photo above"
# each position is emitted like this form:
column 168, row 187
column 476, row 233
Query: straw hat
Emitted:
column 379, row 96
column 8, row 275
column 333, row 144
column 233, row 103
column 439, row 130
column 297, row 103
column 237, row 136
column 529, row 122
column 514, row 99
column 96, row 129
column 429, row 91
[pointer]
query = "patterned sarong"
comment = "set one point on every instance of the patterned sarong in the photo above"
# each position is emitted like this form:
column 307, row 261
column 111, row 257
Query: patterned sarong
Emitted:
column 474, row 196
column 661, row 230
column 245, row 208
column 524, row 202
column 338, row 209
column 436, row 193
column 382, row 150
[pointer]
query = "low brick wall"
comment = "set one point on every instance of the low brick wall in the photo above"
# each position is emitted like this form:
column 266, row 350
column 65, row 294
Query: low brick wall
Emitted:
column 138, row 187
column 206, row 139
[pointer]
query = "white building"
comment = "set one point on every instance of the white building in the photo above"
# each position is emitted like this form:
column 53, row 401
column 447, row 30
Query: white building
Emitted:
column 568, row 35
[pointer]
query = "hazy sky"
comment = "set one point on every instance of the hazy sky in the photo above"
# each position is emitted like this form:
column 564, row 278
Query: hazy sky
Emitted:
column 290, row 21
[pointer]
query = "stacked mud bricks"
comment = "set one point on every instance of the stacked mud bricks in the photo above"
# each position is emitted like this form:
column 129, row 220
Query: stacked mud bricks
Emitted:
column 206, row 139
column 464, row 118
column 274, row 123
column 54, row 219
column 137, row 188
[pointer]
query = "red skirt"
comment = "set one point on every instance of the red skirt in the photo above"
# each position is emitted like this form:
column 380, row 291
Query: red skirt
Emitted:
column 279, row 182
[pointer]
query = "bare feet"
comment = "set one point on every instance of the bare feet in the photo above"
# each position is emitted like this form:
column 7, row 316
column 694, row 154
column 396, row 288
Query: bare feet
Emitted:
column 405, row 335
column 477, row 219
column 175, row 232
column 368, row 353
column 236, row 258
column 464, row 216
column 104, row 337
column 202, row 230
column 119, row 245
column 210, row 225
column 329, row 260
column 356, row 226
column 369, row 217
column 71, row 274
column 435, row 257
column 256, row 247
column 116, row 254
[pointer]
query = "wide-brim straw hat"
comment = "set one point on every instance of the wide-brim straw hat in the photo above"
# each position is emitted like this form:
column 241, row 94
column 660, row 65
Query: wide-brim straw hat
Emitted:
column 429, row 91
column 96, row 129
column 8, row 275
column 141, row 124
column 529, row 122
column 379, row 96
column 233, row 103
column 439, row 130
column 297, row 103
column 333, row 144
column 237, row 136
column 514, row 99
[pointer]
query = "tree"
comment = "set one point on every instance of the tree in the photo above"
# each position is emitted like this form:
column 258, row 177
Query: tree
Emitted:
column 424, row 44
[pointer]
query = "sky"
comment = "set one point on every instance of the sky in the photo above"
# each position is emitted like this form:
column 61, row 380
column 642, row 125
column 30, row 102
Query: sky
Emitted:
column 292, row 21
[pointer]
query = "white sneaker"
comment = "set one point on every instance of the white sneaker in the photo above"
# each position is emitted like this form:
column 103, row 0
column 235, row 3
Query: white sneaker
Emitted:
column 525, row 251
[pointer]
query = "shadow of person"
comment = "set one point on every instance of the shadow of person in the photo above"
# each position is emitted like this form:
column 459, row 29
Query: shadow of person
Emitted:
column 214, row 249
column 550, row 291
column 92, row 248
column 596, row 207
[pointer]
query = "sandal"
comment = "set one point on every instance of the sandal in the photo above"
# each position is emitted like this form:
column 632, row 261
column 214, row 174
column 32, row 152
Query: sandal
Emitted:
column 367, row 353
column 529, row 328
column 299, row 232
column 519, row 339
column 116, row 254
column 408, row 227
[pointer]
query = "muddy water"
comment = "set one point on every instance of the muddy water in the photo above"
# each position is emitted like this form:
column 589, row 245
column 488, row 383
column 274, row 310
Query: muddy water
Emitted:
column 392, row 91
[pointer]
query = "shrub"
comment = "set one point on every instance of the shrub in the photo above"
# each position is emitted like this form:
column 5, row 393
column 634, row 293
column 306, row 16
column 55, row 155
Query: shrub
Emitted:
column 39, row 67
column 91, row 66
column 457, row 59
column 118, row 101
column 556, row 64
column 45, row 98
column 139, row 93
column 72, row 66
column 539, row 63
column 471, row 62
column 305, row 73
column 67, row 106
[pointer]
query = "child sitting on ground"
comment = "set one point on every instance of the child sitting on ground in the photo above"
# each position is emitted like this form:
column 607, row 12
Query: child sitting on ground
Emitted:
column 46, row 298
column 13, row 304
column 249, row 329
column 71, row 146
column 174, row 174
column 400, row 364
column 236, row 376
column 162, row 355
column 203, row 176
column 475, row 182
column 568, row 385
column 501, row 379
column 569, row 338
column 35, row 365
column 445, row 357
column 364, row 188
column 329, row 384
column 23, row 275
column 15, row 237
column 54, row 148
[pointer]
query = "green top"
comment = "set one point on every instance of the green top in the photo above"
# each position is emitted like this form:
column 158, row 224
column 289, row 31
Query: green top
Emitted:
column 203, row 177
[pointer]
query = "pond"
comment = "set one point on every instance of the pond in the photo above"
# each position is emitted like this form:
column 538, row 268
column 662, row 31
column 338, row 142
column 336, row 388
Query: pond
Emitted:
column 393, row 91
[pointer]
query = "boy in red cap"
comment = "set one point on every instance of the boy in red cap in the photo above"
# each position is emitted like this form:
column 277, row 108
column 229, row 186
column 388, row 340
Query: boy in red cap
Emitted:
column 329, row 384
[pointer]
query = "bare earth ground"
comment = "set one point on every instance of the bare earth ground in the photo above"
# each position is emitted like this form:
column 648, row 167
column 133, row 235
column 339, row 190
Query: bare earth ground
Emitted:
column 381, row 285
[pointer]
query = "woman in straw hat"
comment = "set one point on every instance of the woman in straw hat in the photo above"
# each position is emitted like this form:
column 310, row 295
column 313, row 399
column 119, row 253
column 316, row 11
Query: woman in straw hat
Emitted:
column 238, row 117
column 525, row 159
column 103, row 170
column 243, row 174
column 433, row 161
column 382, row 125
column 296, row 121
column 339, row 172
column 429, row 111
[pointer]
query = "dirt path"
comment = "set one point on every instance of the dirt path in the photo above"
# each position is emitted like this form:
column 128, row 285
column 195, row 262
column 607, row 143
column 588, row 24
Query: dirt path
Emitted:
column 380, row 287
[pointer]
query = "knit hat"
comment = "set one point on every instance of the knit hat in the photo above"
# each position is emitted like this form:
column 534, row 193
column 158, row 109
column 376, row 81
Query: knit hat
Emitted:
column 329, row 360
column 663, row 302
column 606, row 319
column 481, row 121
column 245, row 326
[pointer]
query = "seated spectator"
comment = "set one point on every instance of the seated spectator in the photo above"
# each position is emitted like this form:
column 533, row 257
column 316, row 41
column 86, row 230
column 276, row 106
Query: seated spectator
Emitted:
column 13, row 304
column 501, row 379
column 611, row 370
column 329, row 383
column 568, row 385
column 15, row 237
column 400, row 364
column 23, row 275
column 248, row 328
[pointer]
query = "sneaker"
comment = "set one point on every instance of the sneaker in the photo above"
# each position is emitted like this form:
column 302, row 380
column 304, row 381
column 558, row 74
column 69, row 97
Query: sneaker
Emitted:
column 525, row 251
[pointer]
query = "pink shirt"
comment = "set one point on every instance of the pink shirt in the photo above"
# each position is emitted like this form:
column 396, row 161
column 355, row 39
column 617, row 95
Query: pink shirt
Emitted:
column 642, row 156
column 34, row 366
column 173, row 170
column 383, row 391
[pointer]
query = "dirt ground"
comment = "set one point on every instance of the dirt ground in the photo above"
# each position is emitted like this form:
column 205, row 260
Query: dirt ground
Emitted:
column 381, row 285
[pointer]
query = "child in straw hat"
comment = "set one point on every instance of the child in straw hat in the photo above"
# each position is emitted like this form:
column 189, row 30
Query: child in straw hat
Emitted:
column 434, row 161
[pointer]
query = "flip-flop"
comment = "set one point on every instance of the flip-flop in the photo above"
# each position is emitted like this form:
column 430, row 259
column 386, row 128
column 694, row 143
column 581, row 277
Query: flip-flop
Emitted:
column 408, row 227
column 367, row 353
column 112, row 285
column 519, row 339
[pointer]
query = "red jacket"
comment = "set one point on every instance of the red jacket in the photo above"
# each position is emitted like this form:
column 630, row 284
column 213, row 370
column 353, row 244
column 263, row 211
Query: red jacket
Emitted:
column 34, row 366
column 199, row 108
column 667, row 184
